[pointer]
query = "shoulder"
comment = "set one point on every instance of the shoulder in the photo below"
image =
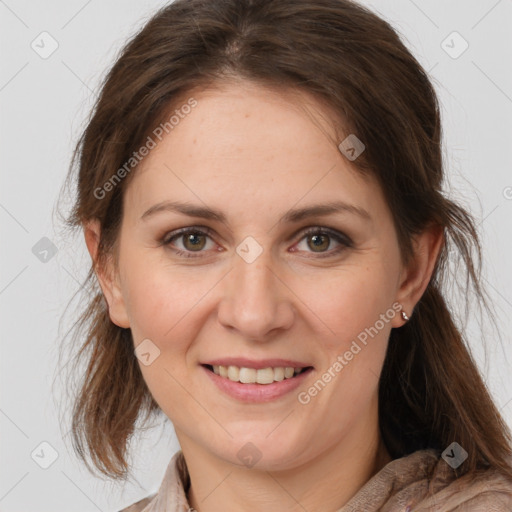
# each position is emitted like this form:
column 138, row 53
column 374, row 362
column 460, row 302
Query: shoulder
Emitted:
column 139, row 505
column 487, row 489
column 424, row 482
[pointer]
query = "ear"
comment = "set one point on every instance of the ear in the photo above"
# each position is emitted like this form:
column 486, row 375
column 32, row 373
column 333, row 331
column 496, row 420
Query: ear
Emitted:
column 108, row 277
column 415, row 278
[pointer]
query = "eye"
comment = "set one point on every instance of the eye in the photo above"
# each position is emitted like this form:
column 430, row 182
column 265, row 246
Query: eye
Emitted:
column 321, row 238
column 194, row 240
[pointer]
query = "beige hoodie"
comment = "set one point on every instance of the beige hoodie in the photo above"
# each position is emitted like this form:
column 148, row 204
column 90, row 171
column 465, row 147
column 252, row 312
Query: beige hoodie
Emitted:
column 419, row 482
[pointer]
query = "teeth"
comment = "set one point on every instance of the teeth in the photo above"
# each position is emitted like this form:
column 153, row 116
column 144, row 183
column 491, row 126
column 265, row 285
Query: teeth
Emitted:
column 233, row 373
column 279, row 373
column 288, row 372
column 247, row 375
column 252, row 376
column 264, row 376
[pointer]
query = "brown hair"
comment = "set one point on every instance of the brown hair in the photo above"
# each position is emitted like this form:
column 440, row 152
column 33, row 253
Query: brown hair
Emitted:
column 430, row 391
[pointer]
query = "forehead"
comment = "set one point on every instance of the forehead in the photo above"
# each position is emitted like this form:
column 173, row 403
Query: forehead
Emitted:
column 250, row 144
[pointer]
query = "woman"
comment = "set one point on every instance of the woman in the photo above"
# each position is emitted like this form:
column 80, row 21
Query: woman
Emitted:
column 260, row 189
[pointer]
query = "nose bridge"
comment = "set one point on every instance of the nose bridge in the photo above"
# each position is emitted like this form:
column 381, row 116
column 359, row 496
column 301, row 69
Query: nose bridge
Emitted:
column 255, row 302
column 254, row 273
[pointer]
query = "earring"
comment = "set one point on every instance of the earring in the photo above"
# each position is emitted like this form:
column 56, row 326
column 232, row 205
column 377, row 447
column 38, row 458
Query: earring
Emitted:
column 404, row 316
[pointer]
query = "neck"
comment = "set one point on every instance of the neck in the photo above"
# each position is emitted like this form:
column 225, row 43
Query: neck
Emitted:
column 325, row 483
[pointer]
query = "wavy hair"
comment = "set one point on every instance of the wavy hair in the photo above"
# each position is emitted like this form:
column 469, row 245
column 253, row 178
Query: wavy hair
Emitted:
column 430, row 391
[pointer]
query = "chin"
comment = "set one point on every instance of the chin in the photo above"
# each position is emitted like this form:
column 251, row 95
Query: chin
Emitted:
column 260, row 450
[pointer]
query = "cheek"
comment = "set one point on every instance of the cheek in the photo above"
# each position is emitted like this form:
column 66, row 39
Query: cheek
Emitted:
column 356, row 307
column 159, row 297
column 348, row 300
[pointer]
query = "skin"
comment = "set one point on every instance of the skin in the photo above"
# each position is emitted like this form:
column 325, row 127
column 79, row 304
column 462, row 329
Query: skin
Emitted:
column 254, row 154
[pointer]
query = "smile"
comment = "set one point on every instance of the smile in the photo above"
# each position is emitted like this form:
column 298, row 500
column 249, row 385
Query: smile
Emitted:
column 256, row 380
column 256, row 376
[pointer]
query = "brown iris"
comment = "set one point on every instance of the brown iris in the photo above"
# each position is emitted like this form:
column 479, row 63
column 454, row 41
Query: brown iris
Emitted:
column 193, row 238
column 317, row 245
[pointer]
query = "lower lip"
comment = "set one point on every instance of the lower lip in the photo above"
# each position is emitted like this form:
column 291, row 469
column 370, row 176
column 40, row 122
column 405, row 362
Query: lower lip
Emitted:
column 257, row 392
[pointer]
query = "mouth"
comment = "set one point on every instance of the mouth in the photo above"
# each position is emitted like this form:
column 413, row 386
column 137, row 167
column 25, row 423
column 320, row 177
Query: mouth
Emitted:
column 263, row 376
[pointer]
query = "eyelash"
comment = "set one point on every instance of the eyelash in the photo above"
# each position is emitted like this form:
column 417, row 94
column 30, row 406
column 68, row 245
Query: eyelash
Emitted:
column 200, row 230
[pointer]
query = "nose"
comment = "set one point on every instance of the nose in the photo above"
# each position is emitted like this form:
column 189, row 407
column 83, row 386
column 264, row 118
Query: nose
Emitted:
column 256, row 301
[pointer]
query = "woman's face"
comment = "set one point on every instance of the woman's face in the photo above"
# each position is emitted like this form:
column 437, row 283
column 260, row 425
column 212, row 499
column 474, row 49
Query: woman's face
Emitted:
column 262, row 284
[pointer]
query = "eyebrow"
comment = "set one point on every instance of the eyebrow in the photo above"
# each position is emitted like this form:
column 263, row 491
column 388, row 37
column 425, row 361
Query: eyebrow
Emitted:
column 296, row 215
column 291, row 216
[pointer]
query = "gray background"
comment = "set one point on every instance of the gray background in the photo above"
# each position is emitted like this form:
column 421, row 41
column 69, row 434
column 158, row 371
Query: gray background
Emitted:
column 44, row 103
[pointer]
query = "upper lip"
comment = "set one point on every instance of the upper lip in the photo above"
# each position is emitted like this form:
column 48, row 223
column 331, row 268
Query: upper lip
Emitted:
column 256, row 364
